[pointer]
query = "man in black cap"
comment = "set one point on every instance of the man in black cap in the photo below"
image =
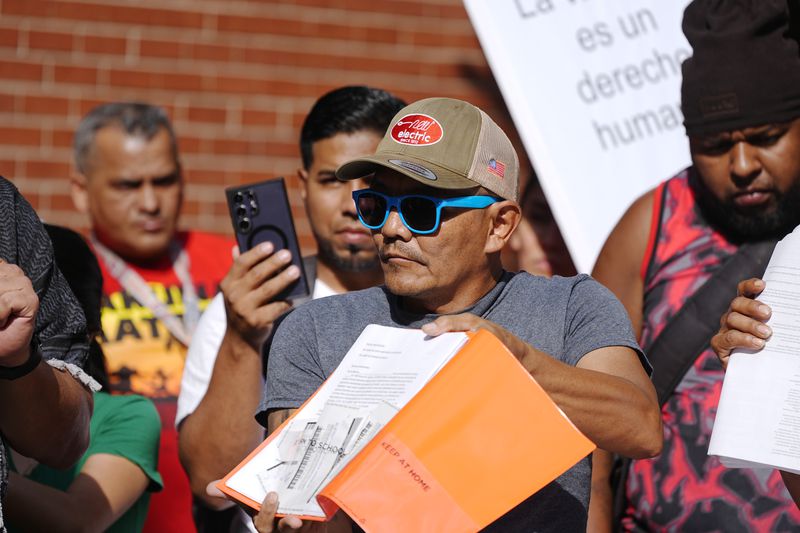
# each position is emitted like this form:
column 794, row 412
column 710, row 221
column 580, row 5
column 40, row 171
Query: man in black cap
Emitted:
column 699, row 233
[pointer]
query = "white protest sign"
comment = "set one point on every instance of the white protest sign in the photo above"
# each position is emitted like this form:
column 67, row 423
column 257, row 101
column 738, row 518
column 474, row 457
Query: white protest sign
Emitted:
column 594, row 90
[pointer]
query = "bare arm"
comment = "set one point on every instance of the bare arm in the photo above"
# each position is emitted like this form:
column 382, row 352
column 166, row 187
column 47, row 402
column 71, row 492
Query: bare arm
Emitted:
column 107, row 486
column 618, row 268
column 608, row 395
column 276, row 418
column 601, row 503
column 44, row 414
column 618, row 265
column 222, row 430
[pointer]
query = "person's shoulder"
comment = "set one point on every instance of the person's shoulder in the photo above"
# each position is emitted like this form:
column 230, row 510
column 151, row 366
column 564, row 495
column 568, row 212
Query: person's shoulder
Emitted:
column 7, row 189
column 639, row 213
column 585, row 291
column 525, row 281
column 579, row 285
column 681, row 179
column 622, row 257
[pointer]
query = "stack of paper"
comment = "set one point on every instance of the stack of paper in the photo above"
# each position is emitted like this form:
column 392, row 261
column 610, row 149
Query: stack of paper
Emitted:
column 758, row 417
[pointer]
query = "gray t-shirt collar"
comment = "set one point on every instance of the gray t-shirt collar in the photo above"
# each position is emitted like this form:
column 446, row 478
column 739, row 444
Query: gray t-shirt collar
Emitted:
column 416, row 320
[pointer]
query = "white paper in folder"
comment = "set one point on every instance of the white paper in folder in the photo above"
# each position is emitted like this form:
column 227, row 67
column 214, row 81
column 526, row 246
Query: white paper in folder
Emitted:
column 758, row 417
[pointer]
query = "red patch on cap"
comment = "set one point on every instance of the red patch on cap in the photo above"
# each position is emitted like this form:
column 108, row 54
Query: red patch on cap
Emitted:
column 417, row 130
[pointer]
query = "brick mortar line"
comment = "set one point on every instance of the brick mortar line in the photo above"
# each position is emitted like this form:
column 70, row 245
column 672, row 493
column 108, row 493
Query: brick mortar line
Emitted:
column 205, row 100
column 245, row 40
column 303, row 75
column 314, row 14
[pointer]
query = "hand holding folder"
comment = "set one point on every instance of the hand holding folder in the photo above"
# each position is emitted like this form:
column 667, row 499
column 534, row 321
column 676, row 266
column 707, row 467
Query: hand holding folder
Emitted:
column 467, row 445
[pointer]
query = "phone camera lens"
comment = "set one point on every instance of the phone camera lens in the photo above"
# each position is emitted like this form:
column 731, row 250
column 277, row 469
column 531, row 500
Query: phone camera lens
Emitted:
column 241, row 210
column 238, row 197
column 245, row 225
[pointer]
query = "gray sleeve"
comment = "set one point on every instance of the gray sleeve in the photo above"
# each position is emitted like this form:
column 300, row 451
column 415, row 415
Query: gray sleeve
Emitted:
column 596, row 319
column 293, row 368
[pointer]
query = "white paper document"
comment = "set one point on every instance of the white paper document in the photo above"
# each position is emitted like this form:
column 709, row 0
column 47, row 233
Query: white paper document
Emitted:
column 381, row 372
column 758, row 417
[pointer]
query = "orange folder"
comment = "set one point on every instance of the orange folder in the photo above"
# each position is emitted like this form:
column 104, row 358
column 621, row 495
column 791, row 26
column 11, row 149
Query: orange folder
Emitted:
column 477, row 440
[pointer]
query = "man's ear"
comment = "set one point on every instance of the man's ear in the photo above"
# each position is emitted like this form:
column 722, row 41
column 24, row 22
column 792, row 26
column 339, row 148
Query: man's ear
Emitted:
column 79, row 192
column 302, row 176
column 505, row 217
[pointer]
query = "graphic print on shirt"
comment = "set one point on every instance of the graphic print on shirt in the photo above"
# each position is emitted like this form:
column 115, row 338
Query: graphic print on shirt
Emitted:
column 143, row 356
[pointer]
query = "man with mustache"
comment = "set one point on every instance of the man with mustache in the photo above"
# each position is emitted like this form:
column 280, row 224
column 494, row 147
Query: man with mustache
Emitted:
column 223, row 381
column 156, row 279
column 442, row 203
column 741, row 101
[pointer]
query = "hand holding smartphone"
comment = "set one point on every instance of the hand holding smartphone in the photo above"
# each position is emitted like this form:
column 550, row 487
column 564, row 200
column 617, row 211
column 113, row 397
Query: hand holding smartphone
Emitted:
column 260, row 212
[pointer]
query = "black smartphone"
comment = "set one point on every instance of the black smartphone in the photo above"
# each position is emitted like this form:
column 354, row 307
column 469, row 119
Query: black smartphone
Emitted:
column 260, row 212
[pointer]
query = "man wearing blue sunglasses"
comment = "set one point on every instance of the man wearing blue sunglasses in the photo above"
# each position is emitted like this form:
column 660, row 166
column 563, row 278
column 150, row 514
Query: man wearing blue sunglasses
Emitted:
column 441, row 205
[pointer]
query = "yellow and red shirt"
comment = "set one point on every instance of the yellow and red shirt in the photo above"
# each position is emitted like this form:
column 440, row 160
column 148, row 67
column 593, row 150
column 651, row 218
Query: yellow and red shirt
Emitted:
column 144, row 358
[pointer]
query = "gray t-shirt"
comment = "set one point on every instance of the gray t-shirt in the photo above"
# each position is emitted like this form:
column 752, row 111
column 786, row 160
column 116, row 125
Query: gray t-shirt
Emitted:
column 564, row 317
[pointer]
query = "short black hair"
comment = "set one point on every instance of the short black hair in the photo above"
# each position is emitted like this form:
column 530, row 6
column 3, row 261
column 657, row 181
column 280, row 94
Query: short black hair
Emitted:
column 134, row 118
column 347, row 110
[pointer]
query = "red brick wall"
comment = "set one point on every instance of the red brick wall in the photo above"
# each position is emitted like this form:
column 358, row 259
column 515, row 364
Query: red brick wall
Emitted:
column 236, row 76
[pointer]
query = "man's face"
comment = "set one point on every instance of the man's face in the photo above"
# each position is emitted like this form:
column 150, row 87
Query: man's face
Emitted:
column 750, row 179
column 343, row 242
column 132, row 191
column 432, row 269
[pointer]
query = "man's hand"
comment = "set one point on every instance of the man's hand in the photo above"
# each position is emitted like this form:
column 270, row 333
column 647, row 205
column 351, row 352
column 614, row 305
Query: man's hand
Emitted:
column 250, row 287
column 18, row 307
column 742, row 325
column 470, row 322
column 265, row 521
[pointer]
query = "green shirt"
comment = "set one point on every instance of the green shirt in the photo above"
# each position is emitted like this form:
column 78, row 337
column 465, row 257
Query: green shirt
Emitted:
column 127, row 426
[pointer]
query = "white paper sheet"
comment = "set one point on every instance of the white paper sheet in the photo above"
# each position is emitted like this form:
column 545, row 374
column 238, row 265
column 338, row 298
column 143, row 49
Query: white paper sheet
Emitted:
column 382, row 371
column 758, row 417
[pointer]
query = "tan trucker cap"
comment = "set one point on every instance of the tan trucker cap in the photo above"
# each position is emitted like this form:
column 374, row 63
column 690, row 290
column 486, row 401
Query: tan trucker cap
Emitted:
column 444, row 143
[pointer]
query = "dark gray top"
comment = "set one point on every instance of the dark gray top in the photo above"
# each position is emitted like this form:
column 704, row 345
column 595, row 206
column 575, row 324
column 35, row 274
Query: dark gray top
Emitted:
column 564, row 317
column 60, row 324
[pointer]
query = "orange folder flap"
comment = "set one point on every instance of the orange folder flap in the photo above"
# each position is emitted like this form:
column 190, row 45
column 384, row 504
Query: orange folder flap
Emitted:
column 479, row 439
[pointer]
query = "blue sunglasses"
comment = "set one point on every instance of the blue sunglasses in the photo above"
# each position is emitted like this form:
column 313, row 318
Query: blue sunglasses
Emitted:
column 419, row 213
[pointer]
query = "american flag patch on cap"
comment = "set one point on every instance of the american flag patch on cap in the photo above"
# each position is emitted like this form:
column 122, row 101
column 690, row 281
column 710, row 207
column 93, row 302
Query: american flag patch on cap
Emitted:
column 496, row 167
